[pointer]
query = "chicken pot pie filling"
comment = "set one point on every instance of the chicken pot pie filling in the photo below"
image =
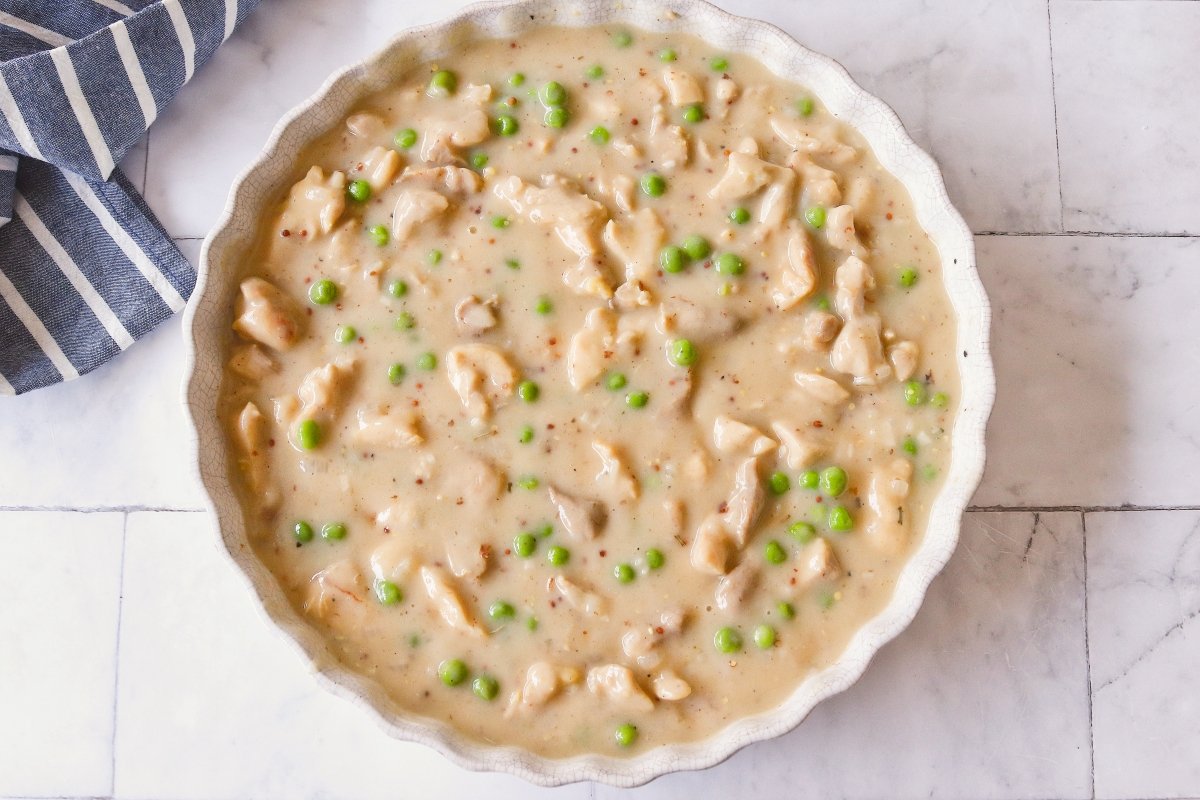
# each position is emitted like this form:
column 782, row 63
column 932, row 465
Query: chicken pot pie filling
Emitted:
column 588, row 391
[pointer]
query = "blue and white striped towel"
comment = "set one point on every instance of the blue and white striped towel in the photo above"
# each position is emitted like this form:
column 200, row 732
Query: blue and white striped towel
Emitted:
column 85, row 268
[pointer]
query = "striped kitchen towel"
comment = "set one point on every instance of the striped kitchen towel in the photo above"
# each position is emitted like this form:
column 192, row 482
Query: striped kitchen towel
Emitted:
column 85, row 268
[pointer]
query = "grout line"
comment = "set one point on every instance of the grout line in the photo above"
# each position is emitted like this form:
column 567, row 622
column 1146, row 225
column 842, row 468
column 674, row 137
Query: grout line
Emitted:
column 1087, row 658
column 112, row 789
column 1062, row 213
column 130, row 509
column 1095, row 234
column 1078, row 509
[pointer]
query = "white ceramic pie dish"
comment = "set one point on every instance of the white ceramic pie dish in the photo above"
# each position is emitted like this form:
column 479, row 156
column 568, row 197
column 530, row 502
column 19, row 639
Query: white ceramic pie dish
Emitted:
column 206, row 322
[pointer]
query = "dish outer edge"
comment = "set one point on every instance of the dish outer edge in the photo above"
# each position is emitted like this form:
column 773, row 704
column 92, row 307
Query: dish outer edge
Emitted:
column 204, row 325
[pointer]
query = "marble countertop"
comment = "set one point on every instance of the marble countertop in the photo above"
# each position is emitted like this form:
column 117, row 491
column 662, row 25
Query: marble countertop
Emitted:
column 1056, row 657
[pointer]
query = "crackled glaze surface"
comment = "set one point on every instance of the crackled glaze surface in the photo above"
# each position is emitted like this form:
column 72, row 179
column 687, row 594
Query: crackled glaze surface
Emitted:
column 895, row 152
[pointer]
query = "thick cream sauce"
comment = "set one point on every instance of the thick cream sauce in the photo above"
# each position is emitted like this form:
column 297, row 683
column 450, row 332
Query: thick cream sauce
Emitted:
column 543, row 266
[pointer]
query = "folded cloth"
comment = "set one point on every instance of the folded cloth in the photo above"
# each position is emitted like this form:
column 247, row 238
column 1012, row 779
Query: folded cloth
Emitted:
column 85, row 268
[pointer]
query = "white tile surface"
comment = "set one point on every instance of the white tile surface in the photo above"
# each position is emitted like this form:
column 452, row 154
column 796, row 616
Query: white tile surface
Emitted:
column 1127, row 114
column 1144, row 637
column 1094, row 341
column 984, row 696
column 61, row 575
column 212, row 704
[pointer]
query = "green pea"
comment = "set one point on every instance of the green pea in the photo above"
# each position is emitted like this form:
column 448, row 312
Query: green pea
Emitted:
column 359, row 190
column 344, row 334
column 397, row 288
column 506, row 125
column 528, row 482
column 810, row 479
column 558, row 555
column 815, row 216
column 525, row 544
column 303, row 532
column 929, row 472
column 452, row 671
column 624, row 573
column 479, row 160
column 764, row 637
column 654, row 558
column 501, row 610
column 693, row 113
column 681, row 352
column 785, row 609
column 622, row 38
column 333, row 531
column 718, row 63
column 388, row 593
column 556, row 117
column 697, row 247
column 802, row 532
column 727, row 640
column 528, row 391
column 774, row 552
column 552, row 94
column 805, row 106
column 822, row 303
column 308, row 434
column 637, row 399
column 543, row 306
column 443, row 83
column 531, row 623
column 779, row 483
column 512, row 263
column 323, row 292
column 396, row 373
column 526, row 434
column 545, row 530
column 910, row 446
column 379, row 235
column 516, row 79
column 406, row 138
column 833, row 481
column 672, row 259
column 595, row 71
column 939, row 400
column 434, row 257
column 599, row 134
column 914, row 393
column 625, row 735
column 427, row 362
column 840, row 519
column 501, row 222
column 653, row 184
column 827, row 599
column 615, row 381
column 405, row 321
column 907, row 277
column 730, row 264
column 667, row 55
column 739, row 216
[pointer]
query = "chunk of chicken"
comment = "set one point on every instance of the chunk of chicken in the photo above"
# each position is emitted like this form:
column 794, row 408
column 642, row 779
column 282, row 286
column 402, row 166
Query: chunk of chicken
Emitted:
column 821, row 388
column 474, row 480
column 416, row 206
column 616, row 684
column 267, row 316
column 337, row 595
column 399, row 516
column 635, row 244
column 474, row 316
column 365, row 126
column 630, row 295
column 744, row 502
column 820, row 329
column 744, row 175
column 777, row 204
column 314, row 204
column 250, row 435
column 818, row 562
column 603, row 337
column 669, row 686
column 667, row 143
column 680, row 317
column 801, row 445
column 620, row 189
column 583, row 518
column 903, row 356
column 251, row 362
column 736, row 587
column 543, row 681
column 324, row 389
column 641, row 643
column 732, row 436
column 466, row 557
column 799, row 276
column 887, row 490
column 476, row 93
column 575, row 217
column 449, row 605
column 819, row 186
column 384, row 427
column 725, row 93
column 446, row 135
column 392, row 561
column 839, row 231
column 682, row 87
column 457, row 182
column 794, row 133
column 712, row 546
column 615, row 473
column 576, row 596
column 379, row 167
column 858, row 349
column 482, row 377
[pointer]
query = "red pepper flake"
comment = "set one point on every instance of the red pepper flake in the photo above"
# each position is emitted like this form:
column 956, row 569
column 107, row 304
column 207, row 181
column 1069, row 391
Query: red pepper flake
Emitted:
column 603, row 553
column 271, row 442
column 659, row 630
column 285, row 233
column 553, row 340
column 889, row 215
column 420, row 481
column 818, row 424
column 633, row 121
